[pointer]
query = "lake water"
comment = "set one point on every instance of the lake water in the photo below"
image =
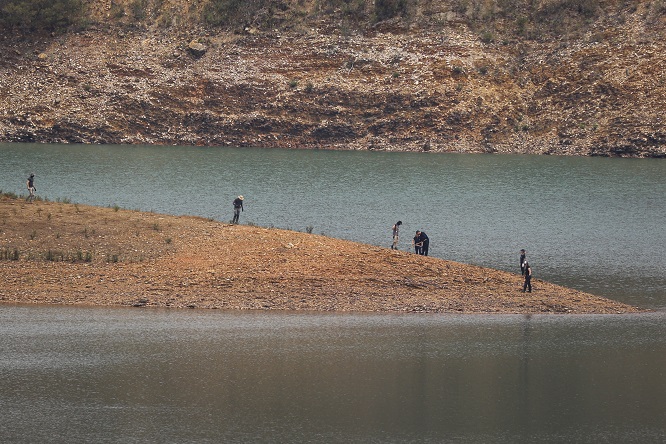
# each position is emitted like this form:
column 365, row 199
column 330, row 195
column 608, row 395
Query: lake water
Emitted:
column 594, row 224
column 83, row 375
column 80, row 375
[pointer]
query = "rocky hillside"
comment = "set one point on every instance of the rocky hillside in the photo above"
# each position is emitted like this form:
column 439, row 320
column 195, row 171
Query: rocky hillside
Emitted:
column 544, row 76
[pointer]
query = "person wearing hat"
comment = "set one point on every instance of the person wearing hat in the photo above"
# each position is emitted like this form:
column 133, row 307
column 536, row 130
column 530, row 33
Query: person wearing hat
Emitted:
column 523, row 260
column 31, row 188
column 238, row 207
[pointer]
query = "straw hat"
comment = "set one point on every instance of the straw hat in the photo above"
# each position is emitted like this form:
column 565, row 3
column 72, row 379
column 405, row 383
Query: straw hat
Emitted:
column 241, row 197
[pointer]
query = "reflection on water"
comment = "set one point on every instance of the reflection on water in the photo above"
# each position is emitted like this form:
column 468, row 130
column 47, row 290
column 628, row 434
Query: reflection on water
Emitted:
column 130, row 375
column 590, row 223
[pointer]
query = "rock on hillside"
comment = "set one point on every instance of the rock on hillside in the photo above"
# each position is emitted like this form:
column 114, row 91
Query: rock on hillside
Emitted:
column 436, row 78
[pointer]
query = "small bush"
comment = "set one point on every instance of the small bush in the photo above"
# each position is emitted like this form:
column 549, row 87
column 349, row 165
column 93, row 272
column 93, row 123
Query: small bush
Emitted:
column 458, row 70
column 229, row 12
column 388, row 9
column 81, row 257
column 54, row 256
column 487, row 37
column 40, row 14
column 10, row 255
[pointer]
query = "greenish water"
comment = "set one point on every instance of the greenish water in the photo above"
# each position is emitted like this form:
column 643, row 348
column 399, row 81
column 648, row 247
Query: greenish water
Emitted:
column 590, row 223
column 81, row 375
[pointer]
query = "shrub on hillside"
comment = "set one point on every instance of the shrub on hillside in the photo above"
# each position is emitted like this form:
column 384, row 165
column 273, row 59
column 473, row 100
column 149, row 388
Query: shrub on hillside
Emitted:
column 388, row 9
column 39, row 14
column 236, row 12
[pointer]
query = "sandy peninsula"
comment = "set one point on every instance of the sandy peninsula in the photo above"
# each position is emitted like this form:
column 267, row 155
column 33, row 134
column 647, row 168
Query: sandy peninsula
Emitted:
column 63, row 253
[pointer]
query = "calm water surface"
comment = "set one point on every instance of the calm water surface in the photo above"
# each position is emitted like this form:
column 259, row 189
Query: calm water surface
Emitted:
column 80, row 375
column 590, row 223
column 71, row 374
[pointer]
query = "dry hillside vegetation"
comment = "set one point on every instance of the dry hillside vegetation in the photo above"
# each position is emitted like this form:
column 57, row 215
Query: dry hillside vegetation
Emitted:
column 554, row 77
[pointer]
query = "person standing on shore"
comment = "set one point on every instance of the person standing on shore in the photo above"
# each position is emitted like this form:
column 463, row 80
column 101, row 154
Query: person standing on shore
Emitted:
column 425, row 242
column 416, row 241
column 396, row 235
column 238, row 207
column 528, row 278
column 523, row 260
column 421, row 243
column 31, row 188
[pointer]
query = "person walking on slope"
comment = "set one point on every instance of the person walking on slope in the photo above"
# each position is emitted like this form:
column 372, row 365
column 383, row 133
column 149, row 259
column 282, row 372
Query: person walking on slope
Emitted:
column 238, row 207
column 528, row 278
column 396, row 235
column 30, row 183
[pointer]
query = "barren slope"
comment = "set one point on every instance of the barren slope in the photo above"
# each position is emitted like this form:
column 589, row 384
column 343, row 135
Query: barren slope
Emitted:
column 76, row 254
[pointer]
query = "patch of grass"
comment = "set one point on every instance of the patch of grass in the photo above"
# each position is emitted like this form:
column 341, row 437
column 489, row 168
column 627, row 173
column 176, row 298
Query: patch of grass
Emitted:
column 9, row 195
column 84, row 257
column 487, row 37
column 54, row 256
column 10, row 254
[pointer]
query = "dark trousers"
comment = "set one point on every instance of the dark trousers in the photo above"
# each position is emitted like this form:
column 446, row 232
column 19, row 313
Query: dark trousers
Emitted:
column 424, row 248
column 528, row 283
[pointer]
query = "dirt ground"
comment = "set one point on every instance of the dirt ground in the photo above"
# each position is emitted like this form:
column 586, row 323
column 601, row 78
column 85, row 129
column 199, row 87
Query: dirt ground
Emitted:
column 63, row 253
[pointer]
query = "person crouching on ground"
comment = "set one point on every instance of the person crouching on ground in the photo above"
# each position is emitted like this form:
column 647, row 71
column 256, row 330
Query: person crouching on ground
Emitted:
column 238, row 207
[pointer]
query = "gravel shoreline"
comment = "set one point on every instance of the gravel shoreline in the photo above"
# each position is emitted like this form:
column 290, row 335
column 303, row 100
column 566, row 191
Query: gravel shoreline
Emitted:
column 61, row 253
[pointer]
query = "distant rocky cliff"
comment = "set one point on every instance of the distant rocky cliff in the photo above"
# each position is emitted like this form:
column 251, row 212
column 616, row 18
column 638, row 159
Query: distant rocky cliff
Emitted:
column 436, row 76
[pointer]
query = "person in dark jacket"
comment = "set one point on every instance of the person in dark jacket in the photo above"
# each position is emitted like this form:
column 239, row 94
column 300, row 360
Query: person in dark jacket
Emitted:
column 523, row 259
column 421, row 243
column 425, row 242
column 528, row 278
column 238, row 207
